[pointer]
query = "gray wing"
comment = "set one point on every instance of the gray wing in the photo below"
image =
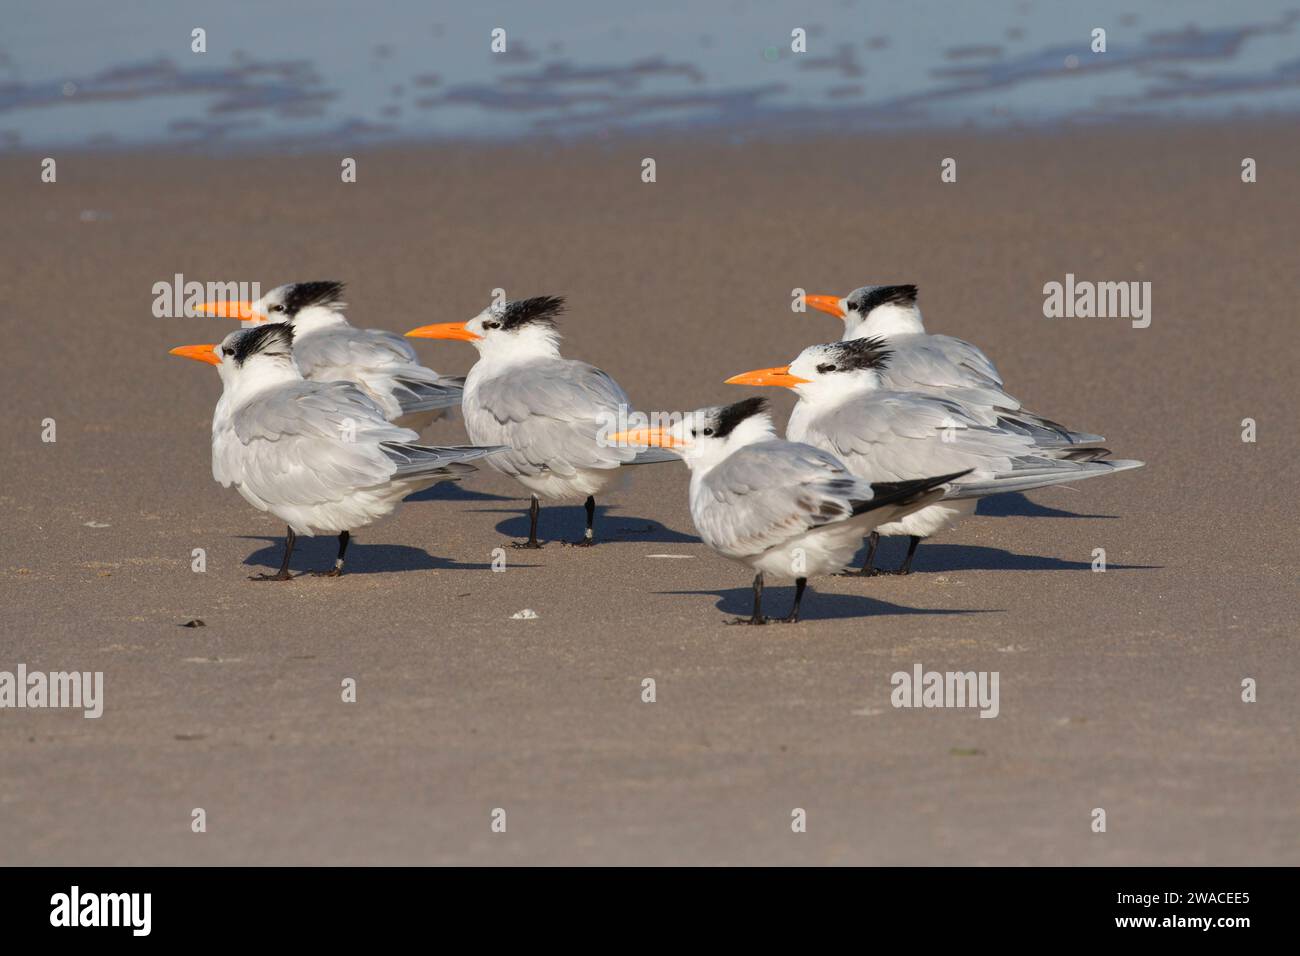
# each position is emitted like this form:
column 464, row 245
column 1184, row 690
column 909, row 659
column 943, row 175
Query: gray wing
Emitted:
column 307, row 443
column 345, row 347
column 653, row 456
column 948, row 367
column 417, row 396
column 418, row 461
column 552, row 416
column 1044, row 432
column 898, row 436
column 769, row 492
column 385, row 364
column 1031, row 473
column 894, row 436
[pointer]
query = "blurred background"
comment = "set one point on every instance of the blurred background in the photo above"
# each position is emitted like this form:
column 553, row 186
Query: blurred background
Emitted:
column 293, row 73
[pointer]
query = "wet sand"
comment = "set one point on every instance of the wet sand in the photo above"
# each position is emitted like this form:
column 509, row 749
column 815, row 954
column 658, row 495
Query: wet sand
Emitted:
column 1119, row 690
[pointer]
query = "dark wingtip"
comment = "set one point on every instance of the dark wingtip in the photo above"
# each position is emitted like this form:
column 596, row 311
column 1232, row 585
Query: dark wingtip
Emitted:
column 903, row 492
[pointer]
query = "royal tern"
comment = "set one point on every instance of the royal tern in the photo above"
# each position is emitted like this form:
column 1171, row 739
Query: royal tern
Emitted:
column 937, row 365
column 783, row 508
column 847, row 408
column 318, row 455
column 553, row 414
column 329, row 349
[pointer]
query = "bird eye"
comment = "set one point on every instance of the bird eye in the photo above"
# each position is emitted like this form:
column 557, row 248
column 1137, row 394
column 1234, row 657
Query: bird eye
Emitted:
column 708, row 431
column 825, row 368
column 491, row 325
column 277, row 308
column 227, row 351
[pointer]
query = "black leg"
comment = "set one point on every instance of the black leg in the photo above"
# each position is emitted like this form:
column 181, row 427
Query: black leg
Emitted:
column 799, row 585
column 757, row 617
column 906, row 567
column 283, row 574
column 337, row 570
column 868, row 570
column 588, row 539
column 534, row 510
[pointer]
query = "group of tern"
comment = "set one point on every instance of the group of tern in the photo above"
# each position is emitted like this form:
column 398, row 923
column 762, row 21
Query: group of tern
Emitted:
column 896, row 432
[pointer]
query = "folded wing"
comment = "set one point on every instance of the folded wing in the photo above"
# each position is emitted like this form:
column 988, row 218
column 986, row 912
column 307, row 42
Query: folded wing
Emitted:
column 769, row 492
column 555, row 415
column 307, row 443
column 894, row 436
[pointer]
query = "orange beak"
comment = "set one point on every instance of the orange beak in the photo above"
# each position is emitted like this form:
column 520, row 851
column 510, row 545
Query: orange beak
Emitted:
column 826, row 303
column 444, row 330
column 767, row 376
column 637, row 437
column 200, row 353
column 234, row 310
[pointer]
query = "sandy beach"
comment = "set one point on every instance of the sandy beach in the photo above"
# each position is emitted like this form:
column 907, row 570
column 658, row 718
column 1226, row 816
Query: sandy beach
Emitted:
column 1119, row 690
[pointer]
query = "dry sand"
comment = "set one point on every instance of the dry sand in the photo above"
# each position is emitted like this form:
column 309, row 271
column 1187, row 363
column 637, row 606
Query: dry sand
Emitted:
column 1118, row 690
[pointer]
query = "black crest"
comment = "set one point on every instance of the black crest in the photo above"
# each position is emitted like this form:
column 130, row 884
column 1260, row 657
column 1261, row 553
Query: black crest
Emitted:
column 732, row 415
column 302, row 295
column 869, row 297
column 271, row 339
column 540, row 310
column 856, row 354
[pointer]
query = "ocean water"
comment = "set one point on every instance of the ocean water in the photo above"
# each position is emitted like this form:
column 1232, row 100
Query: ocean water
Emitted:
column 293, row 73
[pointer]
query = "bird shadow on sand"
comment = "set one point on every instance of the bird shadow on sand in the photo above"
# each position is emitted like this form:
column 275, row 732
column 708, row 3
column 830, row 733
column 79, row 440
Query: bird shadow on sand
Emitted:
column 943, row 558
column 567, row 523
column 818, row 605
column 453, row 491
column 317, row 554
column 1015, row 504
